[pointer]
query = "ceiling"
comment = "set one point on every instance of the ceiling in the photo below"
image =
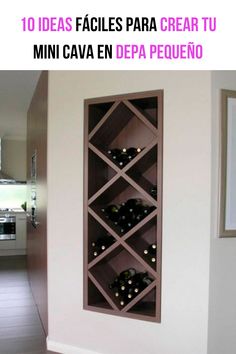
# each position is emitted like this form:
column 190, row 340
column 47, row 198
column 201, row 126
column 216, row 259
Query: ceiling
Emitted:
column 16, row 91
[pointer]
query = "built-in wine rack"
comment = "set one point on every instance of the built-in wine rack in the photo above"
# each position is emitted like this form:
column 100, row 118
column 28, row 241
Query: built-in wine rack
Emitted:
column 117, row 122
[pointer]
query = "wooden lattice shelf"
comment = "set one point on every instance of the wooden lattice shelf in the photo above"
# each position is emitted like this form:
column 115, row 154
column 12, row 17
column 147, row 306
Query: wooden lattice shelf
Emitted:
column 116, row 122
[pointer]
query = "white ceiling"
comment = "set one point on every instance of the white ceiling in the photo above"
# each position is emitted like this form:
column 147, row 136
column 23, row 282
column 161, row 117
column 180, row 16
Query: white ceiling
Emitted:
column 16, row 91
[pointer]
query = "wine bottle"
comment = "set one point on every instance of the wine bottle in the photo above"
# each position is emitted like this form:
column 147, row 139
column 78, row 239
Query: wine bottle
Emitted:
column 131, row 212
column 126, row 296
column 126, row 223
column 146, row 209
column 95, row 253
column 123, row 301
column 123, row 211
column 131, row 209
column 129, row 293
column 136, row 282
column 128, row 214
column 119, row 156
column 127, row 274
column 126, row 226
column 132, row 203
column 115, row 284
column 123, row 159
column 120, row 284
column 115, row 288
column 101, row 244
column 151, row 208
column 104, row 242
column 153, row 192
column 127, row 217
column 128, row 284
column 123, row 227
column 112, row 212
column 150, row 252
column 151, row 249
column 140, row 212
column 146, row 281
column 114, row 153
column 142, row 283
column 132, row 152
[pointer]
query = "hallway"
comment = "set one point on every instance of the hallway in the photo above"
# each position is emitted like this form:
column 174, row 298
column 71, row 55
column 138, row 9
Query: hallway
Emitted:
column 21, row 331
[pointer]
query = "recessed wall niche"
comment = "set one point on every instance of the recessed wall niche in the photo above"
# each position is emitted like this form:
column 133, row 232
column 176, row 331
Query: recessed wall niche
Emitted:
column 123, row 140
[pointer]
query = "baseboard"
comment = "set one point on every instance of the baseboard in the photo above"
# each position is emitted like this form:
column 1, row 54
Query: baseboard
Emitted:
column 66, row 349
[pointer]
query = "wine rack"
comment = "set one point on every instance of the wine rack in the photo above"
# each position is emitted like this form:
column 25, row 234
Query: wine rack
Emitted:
column 117, row 122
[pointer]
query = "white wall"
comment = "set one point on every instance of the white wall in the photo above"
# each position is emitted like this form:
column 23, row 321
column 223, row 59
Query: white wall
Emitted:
column 186, row 217
column 222, row 295
column 12, row 196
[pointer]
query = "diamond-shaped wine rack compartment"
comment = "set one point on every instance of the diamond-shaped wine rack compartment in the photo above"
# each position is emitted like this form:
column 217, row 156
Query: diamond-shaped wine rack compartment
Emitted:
column 116, row 194
column 123, row 205
column 105, row 271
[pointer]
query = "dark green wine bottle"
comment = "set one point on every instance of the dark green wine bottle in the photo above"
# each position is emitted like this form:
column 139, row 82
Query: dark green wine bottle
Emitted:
column 150, row 252
column 114, row 153
column 133, row 152
column 153, row 192
column 123, row 158
column 136, row 282
column 133, row 203
column 127, row 274
column 112, row 212
column 102, row 243
column 126, row 296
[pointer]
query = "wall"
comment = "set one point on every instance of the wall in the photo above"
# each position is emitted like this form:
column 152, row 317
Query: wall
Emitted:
column 186, row 217
column 37, row 237
column 14, row 158
column 12, row 196
column 222, row 295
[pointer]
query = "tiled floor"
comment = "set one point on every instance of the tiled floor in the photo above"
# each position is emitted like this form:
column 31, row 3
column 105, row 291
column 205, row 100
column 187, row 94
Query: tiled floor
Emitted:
column 21, row 331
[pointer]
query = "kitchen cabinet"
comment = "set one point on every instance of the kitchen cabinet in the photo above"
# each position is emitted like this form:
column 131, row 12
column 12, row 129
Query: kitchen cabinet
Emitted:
column 5, row 246
column 21, row 232
column 14, row 158
column 117, row 123
column 17, row 246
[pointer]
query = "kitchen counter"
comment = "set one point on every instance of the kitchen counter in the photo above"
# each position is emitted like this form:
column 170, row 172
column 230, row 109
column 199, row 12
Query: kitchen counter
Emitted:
column 18, row 210
column 12, row 210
